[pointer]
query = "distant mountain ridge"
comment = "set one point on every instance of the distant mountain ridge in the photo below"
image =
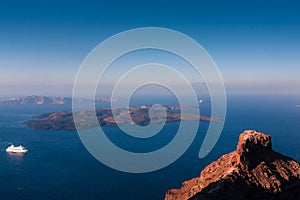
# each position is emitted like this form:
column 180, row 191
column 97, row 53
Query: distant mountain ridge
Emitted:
column 41, row 100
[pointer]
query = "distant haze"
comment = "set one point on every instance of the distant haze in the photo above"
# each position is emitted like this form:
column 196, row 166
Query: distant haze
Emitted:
column 255, row 44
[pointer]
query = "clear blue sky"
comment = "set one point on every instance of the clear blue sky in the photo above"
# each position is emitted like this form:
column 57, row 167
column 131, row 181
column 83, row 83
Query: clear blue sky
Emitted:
column 255, row 44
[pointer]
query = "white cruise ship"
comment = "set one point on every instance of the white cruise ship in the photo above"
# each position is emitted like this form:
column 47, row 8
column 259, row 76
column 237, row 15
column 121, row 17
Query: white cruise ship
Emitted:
column 16, row 149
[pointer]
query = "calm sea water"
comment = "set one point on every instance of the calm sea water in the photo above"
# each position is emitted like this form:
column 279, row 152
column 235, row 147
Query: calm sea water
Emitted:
column 58, row 166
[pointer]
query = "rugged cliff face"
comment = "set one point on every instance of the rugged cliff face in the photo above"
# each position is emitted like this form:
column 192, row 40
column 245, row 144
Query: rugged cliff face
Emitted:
column 252, row 171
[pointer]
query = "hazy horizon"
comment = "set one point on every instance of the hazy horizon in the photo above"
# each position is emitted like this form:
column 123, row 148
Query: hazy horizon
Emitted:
column 254, row 44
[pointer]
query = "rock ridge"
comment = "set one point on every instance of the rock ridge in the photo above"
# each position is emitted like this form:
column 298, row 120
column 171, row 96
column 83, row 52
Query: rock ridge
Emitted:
column 253, row 171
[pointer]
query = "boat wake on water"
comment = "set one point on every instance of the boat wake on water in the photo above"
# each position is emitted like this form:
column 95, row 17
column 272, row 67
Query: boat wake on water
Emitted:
column 4, row 145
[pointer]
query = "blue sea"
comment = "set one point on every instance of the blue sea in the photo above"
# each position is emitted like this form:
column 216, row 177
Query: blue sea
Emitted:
column 58, row 166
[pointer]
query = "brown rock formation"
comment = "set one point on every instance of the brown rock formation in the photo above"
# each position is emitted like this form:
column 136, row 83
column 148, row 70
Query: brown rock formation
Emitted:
column 252, row 171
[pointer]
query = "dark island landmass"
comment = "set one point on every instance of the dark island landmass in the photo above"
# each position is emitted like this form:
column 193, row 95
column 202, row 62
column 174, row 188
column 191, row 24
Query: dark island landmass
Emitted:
column 253, row 171
column 138, row 115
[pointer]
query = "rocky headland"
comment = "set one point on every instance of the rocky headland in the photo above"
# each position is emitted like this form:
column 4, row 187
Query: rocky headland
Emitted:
column 253, row 171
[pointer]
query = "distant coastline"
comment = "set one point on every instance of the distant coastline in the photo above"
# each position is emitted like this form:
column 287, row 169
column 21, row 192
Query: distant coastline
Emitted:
column 45, row 100
column 138, row 115
column 60, row 100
